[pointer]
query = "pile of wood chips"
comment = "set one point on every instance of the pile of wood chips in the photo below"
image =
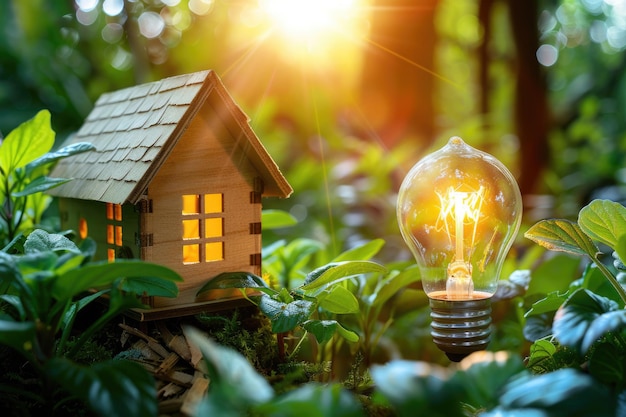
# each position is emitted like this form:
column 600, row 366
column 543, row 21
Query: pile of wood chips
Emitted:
column 176, row 364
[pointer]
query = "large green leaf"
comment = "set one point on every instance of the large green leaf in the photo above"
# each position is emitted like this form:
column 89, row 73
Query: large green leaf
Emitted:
column 115, row 388
column 335, row 272
column 338, row 300
column 54, row 156
column 27, row 142
column 285, row 316
column 235, row 384
column 584, row 318
column 236, row 280
column 40, row 185
column 276, row 219
column 103, row 274
column 418, row 388
column 313, row 400
column 562, row 235
column 604, row 221
column 564, row 392
column 41, row 241
column 150, row 286
column 484, row 373
column 555, row 273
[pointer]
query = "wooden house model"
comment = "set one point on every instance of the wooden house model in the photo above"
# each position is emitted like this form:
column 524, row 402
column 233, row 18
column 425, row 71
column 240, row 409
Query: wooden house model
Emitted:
column 176, row 179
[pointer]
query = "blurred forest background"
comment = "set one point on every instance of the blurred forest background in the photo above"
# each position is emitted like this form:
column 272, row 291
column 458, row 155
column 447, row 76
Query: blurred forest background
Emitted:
column 348, row 94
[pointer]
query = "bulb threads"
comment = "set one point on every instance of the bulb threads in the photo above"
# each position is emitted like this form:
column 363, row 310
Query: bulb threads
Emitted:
column 460, row 327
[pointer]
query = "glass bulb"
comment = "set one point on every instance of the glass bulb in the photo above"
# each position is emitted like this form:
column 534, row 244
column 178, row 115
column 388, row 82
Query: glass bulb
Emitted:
column 459, row 210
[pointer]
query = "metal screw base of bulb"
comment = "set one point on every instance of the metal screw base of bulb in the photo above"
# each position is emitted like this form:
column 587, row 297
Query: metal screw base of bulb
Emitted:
column 460, row 327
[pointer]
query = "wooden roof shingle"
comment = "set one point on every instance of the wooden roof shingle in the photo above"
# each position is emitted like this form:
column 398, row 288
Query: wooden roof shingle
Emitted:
column 136, row 128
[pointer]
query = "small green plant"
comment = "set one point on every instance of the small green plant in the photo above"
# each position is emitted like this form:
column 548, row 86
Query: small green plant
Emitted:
column 44, row 290
column 25, row 160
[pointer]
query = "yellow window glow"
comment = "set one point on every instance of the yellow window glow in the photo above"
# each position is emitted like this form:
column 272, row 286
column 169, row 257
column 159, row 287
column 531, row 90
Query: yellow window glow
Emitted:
column 111, row 255
column 191, row 254
column 213, row 203
column 83, row 230
column 110, row 211
column 191, row 204
column 110, row 234
column 214, row 227
column 118, row 212
column 118, row 235
column 214, row 251
column 191, row 229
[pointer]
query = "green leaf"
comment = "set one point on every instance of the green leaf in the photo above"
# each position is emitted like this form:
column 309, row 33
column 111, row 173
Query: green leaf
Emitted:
column 312, row 400
column 393, row 283
column 564, row 392
column 562, row 235
column 620, row 248
column 103, row 274
column 418, row 388
column 18, row 335
column 39, row 185
column 27, row 142
column 235, row 384
column 584, row 318
column 549, row 304
column 323, row 330
column 607, row 363
column 285, row 316
column 361, row 253
column 236, row 280
column 41, row 241
column 276, row 219
column 483, row 374
column 338, row 300
column 541, row 356
column 555, row 273
column 54, row 156
column 349, row 335
column 150, row 286
column 335, row 272
column 115, row 388
column 603, row 221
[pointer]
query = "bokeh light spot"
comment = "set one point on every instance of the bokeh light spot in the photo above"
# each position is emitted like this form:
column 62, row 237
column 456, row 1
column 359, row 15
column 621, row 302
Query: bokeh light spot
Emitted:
column 547, row 55
column 150, row 24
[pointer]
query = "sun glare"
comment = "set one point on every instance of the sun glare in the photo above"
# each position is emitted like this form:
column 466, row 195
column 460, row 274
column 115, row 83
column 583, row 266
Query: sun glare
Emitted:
column 311, row 26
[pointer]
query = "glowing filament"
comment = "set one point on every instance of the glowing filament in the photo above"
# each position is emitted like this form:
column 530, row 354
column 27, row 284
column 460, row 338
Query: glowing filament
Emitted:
column 461, row 209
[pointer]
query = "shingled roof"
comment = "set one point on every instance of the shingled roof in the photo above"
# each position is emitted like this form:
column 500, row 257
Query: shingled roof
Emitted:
column 135, row 129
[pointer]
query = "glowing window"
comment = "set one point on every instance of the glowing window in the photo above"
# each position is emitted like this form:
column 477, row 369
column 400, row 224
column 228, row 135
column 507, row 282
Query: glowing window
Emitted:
column 118, row 235
column 191, row 204
column 111, row 255
column 213, row 203
column 118, row 212
column 83, row 230
column 110, row 234
column 214, row 251
column 110, row 211
column 191, row 254
column 191, row 229
column 214, row 227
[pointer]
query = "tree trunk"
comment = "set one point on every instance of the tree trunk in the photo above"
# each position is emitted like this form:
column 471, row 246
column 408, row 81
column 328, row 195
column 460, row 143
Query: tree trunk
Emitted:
column 397, row 87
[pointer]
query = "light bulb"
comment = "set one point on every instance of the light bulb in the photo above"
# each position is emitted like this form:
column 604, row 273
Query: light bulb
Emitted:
column 459, row 210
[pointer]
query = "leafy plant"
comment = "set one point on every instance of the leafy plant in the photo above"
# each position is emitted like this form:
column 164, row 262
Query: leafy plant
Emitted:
column 46, row 288
column 25, row 160
column 321, row 291
column 237, row 389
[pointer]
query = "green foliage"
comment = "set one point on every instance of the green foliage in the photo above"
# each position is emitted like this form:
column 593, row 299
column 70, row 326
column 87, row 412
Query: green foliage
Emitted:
column 321, row 291
column 237, row 389
column 25, row 160
column 46, row 288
